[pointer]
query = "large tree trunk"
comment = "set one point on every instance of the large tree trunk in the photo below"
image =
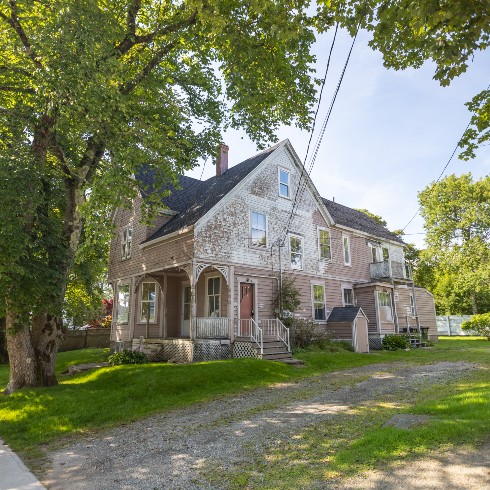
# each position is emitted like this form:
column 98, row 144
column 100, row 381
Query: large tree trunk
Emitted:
column 21, row 354
column 47, row 335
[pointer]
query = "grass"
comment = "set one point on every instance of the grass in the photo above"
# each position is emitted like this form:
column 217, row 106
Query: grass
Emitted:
column 112, row 396
column 355, row 441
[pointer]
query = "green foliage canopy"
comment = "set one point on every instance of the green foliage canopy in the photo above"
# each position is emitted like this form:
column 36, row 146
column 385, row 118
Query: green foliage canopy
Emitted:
column 457, row 220
column 408, row 33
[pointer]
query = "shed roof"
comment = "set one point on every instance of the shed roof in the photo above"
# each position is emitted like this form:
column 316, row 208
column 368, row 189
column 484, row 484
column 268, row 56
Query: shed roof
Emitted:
column 345, row 314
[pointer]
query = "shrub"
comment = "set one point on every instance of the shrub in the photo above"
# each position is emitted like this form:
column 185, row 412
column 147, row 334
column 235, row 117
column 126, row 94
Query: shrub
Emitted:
column 128, row 357
column 305, row 333
column 479, row 324
column 395, row 342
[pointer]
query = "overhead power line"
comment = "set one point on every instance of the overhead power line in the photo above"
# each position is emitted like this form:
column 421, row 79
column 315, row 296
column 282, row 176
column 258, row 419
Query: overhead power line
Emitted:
column 303, row 181
column 443, row 170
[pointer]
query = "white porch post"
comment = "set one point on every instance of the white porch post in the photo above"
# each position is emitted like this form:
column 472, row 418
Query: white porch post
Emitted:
column 231, row 305
column 164, row 307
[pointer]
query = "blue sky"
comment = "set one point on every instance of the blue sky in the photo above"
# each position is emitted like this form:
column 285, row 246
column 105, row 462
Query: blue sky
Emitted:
column 389, row 136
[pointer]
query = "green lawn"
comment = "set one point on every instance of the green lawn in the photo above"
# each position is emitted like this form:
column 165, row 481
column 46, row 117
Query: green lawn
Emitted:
column 112, row 396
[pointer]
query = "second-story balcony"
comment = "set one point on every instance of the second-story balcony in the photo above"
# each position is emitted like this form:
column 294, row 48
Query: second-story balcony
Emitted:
column 390, row 269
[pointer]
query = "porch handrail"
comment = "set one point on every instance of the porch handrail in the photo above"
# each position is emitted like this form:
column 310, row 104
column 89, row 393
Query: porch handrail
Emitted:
column 256, row 334
column 275, row 328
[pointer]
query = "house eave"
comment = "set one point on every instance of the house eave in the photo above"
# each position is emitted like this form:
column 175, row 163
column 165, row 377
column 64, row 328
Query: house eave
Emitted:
column 175, row 234
column 368, row 235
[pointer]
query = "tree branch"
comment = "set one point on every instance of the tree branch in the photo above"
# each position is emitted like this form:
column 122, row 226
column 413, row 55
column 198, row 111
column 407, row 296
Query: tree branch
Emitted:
column 22, row 90
column 15, row 69
column 13, row 21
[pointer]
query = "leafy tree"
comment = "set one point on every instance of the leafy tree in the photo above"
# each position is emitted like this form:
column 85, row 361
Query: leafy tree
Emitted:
column 89, row 92
column 408, row 33
column 479, row 324
column 457, row 221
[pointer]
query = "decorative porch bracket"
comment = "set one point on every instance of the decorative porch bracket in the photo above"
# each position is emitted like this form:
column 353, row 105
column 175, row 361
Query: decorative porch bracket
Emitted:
column 221, row 268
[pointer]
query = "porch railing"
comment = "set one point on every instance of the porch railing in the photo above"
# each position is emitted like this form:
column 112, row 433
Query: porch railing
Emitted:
column 275, row 328
column 211, row 328
column 388, row 268
column 249, row 328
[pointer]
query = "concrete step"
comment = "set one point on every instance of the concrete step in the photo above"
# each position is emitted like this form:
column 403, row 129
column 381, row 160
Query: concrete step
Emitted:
column 276, row 356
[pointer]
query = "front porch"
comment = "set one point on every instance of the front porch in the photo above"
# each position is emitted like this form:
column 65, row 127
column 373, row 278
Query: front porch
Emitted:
column 190, row 313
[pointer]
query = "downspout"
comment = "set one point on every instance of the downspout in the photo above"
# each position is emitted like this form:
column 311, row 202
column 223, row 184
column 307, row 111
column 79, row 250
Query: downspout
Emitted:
column 417, row 321
column 280, row 277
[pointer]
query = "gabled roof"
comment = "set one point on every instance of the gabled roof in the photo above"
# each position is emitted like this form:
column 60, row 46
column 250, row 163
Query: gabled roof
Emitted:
column 343, row 314
column 194, row 198
column 197, row 197
column 351, row 218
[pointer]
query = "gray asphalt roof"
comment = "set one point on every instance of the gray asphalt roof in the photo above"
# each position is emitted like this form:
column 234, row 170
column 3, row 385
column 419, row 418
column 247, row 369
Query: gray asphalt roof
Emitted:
column 195, row 198
column 343, row 314
column 342, row 215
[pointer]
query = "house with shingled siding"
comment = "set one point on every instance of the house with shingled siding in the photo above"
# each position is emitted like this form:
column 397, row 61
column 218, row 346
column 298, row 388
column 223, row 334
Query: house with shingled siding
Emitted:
column 201, row 282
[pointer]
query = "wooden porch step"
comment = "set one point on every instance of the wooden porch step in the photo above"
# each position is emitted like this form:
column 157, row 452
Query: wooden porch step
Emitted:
column 276, row 356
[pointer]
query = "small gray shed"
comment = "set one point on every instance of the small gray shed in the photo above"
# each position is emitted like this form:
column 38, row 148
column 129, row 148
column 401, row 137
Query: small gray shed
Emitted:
column 349, row 323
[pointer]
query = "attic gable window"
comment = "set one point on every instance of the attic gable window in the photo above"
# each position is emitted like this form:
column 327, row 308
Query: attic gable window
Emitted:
column 296, row 251
column 324, row 244
column 127, row 239
column 284, row 183
column 258, row 228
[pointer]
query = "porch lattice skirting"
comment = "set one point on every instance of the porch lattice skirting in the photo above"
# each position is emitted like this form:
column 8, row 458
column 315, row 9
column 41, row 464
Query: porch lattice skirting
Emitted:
column 375, row 343
column 244, row 349
column 211, row 350
column 174, row 350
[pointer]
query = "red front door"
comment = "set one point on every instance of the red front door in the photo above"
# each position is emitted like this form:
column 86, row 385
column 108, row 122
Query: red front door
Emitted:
column 246, row 307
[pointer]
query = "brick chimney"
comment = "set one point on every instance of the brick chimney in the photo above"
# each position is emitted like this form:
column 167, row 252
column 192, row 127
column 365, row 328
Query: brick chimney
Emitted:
column 222, row 159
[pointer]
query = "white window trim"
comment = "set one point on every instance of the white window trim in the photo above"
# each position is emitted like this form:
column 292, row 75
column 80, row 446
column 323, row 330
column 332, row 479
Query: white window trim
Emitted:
column 279, row 170
column 293, row 235
column 376, row 248
column 344, row 287
column 258, row 247
column 384, row 306
column 382, row 254
column 143, row 319
column 125, row 253
column 320, row 228
column 322, row 284
column 346, row 237
column 117, row 303
column 209, row 276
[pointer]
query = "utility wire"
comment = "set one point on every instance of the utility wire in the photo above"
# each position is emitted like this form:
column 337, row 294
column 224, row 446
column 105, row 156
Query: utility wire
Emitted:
column 312, row 129
column 443, row 170
column 302, row 185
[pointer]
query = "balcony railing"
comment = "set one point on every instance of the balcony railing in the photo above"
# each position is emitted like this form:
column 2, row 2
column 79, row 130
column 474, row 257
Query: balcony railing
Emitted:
column 389, row 269
column 211, row 328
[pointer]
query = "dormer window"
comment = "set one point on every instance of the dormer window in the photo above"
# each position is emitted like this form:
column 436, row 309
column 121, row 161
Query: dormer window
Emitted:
column 127, row 238
column 284, row 183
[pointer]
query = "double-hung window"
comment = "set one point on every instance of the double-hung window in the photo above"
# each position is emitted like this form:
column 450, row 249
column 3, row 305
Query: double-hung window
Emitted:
column 374, row 253
column 127, row 239
column 148, row 302
column 213, row 294
column 384, row 305
column 324, row 244
column 296, row 251
column 346, row 249
column 319, row 310
column 348, row 296
column 386, row 253
column 284, row 184
column 258, row 229
column 122, row 303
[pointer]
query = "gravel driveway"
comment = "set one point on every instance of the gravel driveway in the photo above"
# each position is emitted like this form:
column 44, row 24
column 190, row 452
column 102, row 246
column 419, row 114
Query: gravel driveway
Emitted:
column 170, row 451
